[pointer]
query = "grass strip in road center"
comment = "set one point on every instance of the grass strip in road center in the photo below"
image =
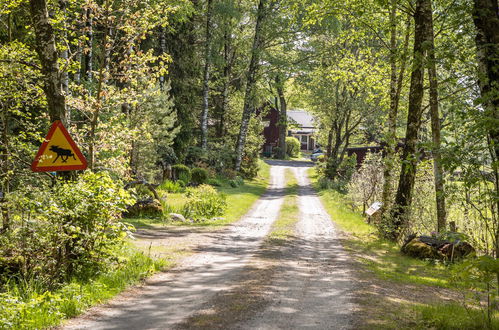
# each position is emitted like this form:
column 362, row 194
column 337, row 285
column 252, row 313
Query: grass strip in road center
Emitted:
column 283, row 228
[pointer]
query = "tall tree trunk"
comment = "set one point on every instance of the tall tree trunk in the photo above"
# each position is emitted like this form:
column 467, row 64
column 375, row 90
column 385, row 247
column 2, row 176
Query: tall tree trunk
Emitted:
column 403, row 199
column 5, row 168
column 486, row 19
column 329, row 146
column 162, row 49
column 46, row 49
column 435, row 128
column 249, row 96
column 391, row 136
column 206, row 76
column 283, row 118
column 105, row 53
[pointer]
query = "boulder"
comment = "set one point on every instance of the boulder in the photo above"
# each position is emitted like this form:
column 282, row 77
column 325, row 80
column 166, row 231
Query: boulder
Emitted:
column 177, row 217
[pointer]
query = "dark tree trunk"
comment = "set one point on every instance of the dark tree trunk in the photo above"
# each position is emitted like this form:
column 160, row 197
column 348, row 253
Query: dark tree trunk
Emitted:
column 206, row 76
column 162, row 50
column 46, row 49
column 329, row 143
column 486, row 19
column 435, row 129
column 391, row 135
column 407, row 178
column 249, row 96
column 283, row 118
column 5, row 168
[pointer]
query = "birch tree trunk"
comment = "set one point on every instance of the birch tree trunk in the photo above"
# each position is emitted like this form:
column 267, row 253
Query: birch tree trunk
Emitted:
column 206, row 76
column 46, row 49
column 249, row 96
column 435, row 128
column 403, row 199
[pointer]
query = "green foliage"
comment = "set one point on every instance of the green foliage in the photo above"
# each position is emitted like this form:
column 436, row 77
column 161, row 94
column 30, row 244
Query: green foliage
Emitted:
column 172, row 186
column 182, row 172
column 236, row 182
column 199, row 175
column 69, row 230
column 214, row 182
column 204, row 203
column 251, row 155
column 292, row 146
column 28, row 305
column 477, row 278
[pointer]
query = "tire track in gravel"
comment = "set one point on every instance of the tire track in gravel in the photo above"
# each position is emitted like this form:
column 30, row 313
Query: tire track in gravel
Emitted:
column 312, row 288
column 168, row 298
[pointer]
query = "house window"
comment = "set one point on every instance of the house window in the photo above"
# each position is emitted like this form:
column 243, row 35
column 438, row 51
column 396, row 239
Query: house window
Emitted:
column 304, row 139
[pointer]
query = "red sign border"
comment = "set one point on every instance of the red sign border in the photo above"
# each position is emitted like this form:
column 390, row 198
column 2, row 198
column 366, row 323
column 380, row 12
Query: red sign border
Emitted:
column 58, row 124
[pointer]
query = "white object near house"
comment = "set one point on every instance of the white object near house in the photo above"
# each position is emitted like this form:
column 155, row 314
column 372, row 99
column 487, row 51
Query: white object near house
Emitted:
column 373, row 208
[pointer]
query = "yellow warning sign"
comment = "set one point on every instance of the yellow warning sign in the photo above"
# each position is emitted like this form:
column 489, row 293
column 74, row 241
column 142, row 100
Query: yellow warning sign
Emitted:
column 58, row 152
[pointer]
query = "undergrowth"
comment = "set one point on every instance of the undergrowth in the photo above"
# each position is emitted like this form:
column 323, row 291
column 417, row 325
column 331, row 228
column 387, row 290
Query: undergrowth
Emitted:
column 28, row 305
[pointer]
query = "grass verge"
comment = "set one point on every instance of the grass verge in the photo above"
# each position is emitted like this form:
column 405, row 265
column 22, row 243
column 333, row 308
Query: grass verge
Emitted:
column 28, row 306
column 410, row 293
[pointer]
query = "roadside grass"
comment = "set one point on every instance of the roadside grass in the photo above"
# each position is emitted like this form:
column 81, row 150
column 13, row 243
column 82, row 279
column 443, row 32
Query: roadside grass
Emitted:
column 380, row 256
column 239, row 201
column 384, row 259
column 28, row 305
column 283, row 228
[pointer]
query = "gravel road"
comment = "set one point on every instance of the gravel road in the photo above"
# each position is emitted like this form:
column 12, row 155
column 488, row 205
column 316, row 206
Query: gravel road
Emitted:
column 310, row 290
column 313, row 288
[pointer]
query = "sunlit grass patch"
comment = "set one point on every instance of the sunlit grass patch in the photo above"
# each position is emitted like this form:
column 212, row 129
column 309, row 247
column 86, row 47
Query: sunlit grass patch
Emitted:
column 283, row 227
column 454, row 316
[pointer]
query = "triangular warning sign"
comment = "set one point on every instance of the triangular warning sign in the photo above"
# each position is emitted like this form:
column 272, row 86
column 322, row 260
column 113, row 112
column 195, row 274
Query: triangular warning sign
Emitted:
column 58, row 152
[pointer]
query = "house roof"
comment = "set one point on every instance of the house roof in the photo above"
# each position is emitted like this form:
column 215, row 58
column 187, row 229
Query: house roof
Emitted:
column 302, row 118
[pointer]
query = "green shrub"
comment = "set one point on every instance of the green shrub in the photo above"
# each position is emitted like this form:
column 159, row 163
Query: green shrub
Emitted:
column 292, row 146
column 72, row 231
column 214, row 182
column 172, row 186
column 199, row 175
column 238, row 181
column 204, row 202
column 181, row 172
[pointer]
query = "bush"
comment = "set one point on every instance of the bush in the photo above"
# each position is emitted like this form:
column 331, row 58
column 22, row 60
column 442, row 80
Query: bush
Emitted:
column 204, row 202
column 68, row 230
column 172, row 186
column 181, row 172
column 292, row 146
column 238, row 181
column 214, row 182
column 199, row 175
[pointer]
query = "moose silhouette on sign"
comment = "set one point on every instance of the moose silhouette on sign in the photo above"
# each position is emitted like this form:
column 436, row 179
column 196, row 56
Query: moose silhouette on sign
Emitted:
column 63, row 153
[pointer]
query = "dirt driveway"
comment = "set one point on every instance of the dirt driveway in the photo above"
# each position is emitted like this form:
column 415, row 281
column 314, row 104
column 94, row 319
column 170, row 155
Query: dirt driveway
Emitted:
column 307, row 284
